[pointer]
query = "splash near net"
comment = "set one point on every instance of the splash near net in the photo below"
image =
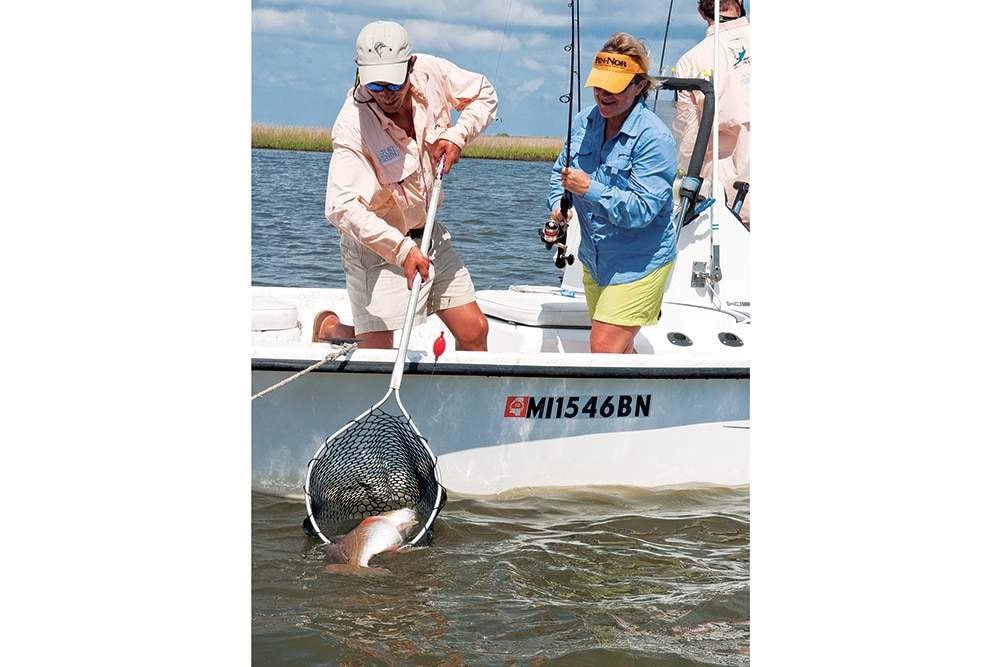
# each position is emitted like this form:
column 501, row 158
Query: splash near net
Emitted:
column 375, row 464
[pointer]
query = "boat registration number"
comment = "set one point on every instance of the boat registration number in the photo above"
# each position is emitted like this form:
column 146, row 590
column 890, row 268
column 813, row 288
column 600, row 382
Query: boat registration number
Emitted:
column 571, row 407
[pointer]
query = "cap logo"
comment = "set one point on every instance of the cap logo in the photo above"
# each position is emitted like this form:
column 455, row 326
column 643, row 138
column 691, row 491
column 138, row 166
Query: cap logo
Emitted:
column 614, row 62
column 617, row 63
column 379, row 47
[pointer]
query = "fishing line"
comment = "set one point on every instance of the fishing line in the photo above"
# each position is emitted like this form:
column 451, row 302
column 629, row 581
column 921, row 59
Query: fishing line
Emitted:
column 663, row 51
column 503, row 41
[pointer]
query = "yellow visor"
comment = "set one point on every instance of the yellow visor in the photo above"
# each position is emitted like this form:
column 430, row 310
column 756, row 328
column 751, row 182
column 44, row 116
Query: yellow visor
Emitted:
column 612, row 72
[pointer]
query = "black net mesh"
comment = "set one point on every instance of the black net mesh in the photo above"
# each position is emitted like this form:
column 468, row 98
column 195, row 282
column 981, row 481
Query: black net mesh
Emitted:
column 374, row 465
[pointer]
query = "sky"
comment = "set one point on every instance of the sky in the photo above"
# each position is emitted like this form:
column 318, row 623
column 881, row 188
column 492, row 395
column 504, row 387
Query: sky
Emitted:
column 303, row 51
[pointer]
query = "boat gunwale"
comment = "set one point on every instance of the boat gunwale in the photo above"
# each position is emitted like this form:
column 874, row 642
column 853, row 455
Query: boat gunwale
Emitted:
column 508, row 370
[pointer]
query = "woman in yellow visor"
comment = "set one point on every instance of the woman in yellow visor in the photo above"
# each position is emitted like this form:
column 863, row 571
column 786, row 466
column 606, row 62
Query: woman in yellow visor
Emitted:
column 622, row 163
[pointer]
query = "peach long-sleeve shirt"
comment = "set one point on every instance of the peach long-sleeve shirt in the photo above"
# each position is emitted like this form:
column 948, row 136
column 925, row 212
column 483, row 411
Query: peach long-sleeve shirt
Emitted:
column 380, row 178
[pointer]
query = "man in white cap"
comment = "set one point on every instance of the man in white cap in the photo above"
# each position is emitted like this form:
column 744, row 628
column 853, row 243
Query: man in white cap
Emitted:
column 388, row 139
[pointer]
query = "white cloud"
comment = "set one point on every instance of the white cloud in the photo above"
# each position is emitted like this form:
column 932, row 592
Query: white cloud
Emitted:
column 435, row 37
column 517, row 44
column 531, row 86
column 273, row 21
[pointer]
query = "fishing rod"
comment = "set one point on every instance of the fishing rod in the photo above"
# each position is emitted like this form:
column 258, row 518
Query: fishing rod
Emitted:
column 663, row 51
column 716, row 185
column 576, row 26
column 554, row 233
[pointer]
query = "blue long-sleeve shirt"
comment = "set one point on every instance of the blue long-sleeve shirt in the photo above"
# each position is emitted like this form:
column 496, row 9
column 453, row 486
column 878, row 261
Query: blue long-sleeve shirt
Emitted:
column 625, row 217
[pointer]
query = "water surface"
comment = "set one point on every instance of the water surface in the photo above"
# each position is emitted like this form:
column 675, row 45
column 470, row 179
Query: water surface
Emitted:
column 494, row 209
column 599, row 576
column 539, row 577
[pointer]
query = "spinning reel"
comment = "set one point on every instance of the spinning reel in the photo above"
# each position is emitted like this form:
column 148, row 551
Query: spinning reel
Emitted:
column 554, row 234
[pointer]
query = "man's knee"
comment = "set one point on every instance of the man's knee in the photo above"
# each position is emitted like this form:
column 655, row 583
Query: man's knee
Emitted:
column 474, row 332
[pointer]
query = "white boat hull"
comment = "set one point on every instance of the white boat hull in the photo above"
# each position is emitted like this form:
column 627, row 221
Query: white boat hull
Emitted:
column 538, row 409
column 494, row 432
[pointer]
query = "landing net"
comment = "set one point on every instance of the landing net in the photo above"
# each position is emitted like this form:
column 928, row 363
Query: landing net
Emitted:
column 375, row 464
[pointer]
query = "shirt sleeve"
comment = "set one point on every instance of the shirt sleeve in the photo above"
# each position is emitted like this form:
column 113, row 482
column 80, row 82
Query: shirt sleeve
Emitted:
column 473, row 96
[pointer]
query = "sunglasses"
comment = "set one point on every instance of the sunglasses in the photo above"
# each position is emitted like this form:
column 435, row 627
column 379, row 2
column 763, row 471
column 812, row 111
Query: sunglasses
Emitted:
column 392, row 87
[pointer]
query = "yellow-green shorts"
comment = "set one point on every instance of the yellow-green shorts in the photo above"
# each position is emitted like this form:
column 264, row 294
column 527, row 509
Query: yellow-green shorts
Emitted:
column 631, row 304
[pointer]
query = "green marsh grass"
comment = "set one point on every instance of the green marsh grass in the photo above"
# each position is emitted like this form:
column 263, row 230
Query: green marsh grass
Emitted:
column 490, row 147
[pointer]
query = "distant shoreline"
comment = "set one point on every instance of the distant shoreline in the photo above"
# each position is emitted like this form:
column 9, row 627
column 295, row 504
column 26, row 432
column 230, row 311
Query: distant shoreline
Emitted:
column 491, row 147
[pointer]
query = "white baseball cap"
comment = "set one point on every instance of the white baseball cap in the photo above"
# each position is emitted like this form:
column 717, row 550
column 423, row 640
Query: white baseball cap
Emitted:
column 384, row 51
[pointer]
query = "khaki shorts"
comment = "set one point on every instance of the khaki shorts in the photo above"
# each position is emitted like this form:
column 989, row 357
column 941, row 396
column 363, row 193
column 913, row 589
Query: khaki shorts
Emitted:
column 378, row 292
column 634, row 304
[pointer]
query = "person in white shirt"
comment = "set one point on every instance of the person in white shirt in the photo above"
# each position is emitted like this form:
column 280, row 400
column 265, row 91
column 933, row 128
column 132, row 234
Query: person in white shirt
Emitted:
column 732, row 98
